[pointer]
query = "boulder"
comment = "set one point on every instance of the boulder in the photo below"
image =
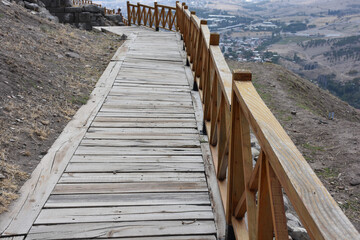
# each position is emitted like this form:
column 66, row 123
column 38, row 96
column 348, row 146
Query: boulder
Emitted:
column 32, row 6
column 91, row 8
column 44, row 13
column 85, row 26
column 84, row 17
column 73, row 9
column 296, row 231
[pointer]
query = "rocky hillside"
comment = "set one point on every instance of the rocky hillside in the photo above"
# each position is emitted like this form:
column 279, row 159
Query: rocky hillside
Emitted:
column 331, row 147
column 47, row 71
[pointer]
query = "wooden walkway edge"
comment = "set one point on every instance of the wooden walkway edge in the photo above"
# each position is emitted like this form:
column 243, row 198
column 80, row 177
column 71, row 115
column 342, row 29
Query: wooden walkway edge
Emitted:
column 130, row 163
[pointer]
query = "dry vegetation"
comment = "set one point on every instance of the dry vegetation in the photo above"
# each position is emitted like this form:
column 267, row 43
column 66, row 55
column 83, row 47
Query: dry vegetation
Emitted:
column 331, row 147
column 47, row 71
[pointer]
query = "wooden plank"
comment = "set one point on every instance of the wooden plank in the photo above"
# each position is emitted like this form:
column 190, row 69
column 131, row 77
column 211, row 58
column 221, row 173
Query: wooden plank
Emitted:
column 130, row 124
column 146, row 104
column 135, row 159
column 149, row 136
column 188, row 143
column 137, row 116
column 134, row 167
column 121, row 229
column 125, row 151
column 132, row 177
column 145, row 187
column 13, row 238
column 124, row 214
column 146, row 131
column 126, row 199
column 114, row 108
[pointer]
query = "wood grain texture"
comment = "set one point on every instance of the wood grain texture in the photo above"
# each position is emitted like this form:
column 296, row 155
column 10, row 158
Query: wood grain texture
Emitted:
column 121, row 229
column 124, row 214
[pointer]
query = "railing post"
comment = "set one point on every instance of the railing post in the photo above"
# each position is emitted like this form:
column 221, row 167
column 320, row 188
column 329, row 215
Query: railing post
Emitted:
column 138, row 14
column 128, row 13
column 156, row 12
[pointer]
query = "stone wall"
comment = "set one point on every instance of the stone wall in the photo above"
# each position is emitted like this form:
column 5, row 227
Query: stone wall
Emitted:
column 84, row 17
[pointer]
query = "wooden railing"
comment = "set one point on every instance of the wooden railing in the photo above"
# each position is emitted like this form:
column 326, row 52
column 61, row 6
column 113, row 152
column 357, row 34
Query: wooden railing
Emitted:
column 232, row 109
column 158, row 16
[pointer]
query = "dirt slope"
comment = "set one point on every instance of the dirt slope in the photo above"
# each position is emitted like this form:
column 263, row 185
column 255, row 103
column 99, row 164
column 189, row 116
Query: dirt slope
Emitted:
column 332, row 147
column 47, row 71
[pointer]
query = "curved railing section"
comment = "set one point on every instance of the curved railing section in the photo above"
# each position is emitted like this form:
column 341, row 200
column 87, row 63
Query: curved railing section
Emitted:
column 232, row 109
column 158, row 16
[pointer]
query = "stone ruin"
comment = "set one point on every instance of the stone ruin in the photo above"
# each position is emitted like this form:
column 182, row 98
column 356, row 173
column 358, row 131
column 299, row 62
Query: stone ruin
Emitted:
column 84, row 17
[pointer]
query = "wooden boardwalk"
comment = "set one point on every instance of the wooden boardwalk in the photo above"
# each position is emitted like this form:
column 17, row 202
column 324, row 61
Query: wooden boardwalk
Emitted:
column 138, row 172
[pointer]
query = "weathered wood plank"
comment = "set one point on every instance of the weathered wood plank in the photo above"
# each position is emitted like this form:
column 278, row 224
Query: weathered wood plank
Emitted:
column 144, row 124
column 134, row 167
column 146, row 131
column 132, row 177
column 149, row 136
column 121, row 229
column 188, row 143
column 125, row 151
column 136, row 116
column 126, row 199
column 124, row 214
column 135, row 159
column 140, row 187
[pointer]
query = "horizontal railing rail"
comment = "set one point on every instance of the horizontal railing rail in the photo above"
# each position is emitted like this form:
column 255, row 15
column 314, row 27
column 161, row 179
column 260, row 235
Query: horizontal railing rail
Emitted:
column 232, row 108
column 158, row 16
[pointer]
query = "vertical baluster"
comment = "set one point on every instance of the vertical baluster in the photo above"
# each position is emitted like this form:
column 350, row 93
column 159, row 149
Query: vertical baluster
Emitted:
column 264, row 225
column 138, row 14
column 156, row 16
column 128, row 12
column 277, row 204
column 236, row 185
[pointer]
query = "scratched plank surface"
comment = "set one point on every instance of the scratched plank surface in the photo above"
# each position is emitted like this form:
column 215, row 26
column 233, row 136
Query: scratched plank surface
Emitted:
column 138, row 172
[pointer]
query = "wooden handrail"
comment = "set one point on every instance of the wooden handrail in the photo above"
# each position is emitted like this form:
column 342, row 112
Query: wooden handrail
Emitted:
column 158, row 16
column 232, row 109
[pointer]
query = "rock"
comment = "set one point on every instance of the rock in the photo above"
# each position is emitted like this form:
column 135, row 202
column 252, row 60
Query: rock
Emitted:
column 355, row 182
column 72, row 55
column 296, row 231
column 85, row 17
column 44, row 13
column 21, row 3
column 32, row 6
column 2, row 176
column 91, row 8
column 45, row 122
column 6, row 3
column 341, row 188
column 299, row 233
column 85, row 26
column 65, row 3
column 293, row 112
column 286, row 203
column 255, row 152
column 73, row 9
